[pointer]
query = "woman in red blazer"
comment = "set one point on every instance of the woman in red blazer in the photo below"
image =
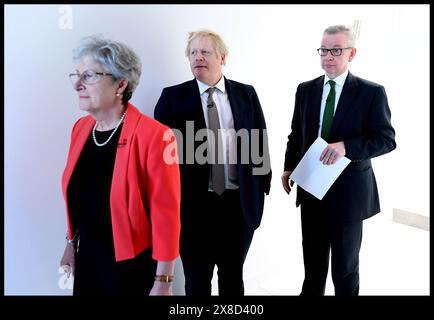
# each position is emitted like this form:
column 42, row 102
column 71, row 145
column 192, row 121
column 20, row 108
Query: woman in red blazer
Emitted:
column 122, row 196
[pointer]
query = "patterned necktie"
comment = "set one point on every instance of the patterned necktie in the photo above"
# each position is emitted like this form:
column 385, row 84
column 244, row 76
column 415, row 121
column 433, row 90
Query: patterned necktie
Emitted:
column 327, row 119
column 217, row 169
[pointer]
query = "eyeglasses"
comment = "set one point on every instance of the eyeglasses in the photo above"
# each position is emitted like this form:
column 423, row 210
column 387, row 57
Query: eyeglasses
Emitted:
column 334, row 51
column 87, row 77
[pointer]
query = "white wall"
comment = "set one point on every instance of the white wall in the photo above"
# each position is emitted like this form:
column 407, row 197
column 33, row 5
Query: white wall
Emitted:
column 271, row 47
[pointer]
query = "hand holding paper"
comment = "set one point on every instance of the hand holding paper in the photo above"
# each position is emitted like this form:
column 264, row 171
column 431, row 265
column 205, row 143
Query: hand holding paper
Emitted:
column 314, row 176
column 332, row 153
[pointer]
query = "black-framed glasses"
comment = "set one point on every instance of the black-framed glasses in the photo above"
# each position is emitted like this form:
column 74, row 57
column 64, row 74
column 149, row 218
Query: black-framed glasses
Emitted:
column 334, row 51
column 88, row 76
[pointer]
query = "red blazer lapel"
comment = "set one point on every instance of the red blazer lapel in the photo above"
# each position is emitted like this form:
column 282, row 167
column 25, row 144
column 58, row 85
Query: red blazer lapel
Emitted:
column 79, row 135
column 119, row 188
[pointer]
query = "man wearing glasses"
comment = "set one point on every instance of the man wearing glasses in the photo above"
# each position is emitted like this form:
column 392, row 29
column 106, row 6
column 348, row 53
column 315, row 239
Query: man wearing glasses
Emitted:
column 352, row 115
column 122, row 199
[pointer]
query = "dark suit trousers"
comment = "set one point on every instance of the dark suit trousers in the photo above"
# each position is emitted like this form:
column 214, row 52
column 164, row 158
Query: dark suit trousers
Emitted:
column 216, row 235
column 321, row 233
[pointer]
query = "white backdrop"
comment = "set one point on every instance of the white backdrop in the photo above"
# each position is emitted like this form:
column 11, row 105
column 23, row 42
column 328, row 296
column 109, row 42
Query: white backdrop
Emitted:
column 271, row 47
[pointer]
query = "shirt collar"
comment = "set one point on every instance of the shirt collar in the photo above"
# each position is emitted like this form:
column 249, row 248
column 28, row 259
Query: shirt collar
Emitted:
column 220, row 85
column 340, row 80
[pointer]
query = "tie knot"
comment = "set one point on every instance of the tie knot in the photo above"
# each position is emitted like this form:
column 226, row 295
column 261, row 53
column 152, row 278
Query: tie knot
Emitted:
column 332, row 84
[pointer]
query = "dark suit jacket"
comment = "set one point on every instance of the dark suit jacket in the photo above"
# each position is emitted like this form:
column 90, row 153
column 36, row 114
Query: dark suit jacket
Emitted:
column 362, row 122
column 181, row 103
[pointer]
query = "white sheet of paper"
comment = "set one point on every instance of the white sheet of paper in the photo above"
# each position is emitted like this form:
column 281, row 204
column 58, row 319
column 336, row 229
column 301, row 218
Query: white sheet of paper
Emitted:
column 314, row 176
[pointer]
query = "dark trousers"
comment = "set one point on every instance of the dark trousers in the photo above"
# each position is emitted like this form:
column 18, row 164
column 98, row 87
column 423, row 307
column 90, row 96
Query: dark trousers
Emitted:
column 321, row 233
column 216, row 235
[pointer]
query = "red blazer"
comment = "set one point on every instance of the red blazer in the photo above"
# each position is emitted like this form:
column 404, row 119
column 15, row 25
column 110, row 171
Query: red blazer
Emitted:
column 145, row 191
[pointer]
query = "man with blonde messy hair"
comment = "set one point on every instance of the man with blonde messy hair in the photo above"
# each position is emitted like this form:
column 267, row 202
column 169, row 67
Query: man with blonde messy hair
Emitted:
column 222, row 198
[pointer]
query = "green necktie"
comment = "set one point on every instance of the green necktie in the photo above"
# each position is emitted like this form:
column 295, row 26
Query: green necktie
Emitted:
column 327, row 119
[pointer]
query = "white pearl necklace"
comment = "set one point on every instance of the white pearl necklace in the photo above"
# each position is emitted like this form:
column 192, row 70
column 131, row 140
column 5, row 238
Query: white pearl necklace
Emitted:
column 111, row 135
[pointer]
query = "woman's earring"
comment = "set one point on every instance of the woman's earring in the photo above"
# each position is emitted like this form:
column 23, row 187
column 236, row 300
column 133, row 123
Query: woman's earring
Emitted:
column 117, row 94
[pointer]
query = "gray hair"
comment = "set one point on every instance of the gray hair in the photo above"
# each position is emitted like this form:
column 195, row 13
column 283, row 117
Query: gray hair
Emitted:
column 351, row 37
column 219, row 44
column 114, row 57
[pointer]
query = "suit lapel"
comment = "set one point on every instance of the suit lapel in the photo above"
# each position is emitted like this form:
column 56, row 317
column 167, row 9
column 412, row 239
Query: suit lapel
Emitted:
column 239, row 109
column 345, row 102
column 314, row 104
column 119, row 192
column 77, row 144
column 122, row 154
column 194, row 106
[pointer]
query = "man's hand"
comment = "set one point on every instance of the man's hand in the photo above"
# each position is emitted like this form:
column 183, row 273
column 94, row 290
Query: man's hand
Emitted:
column 332, row 153
column 285, row 181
